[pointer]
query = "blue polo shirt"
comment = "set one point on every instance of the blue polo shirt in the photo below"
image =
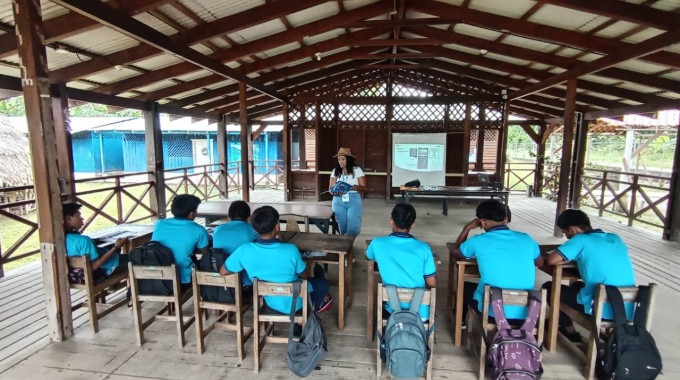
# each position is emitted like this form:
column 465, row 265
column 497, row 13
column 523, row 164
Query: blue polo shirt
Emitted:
column 81, row 245
column 272, row 261
column 403, row 261
column 183, row 237
column 506, row 260
column 230, row 236
column 601, row 258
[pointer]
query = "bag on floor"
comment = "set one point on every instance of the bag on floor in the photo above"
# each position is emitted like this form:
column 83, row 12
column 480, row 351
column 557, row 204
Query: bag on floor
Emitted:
column 630, row 351
column 305, row 354
column 153, row 253
column 514, row 354
column 404, row 348
column 212, row 261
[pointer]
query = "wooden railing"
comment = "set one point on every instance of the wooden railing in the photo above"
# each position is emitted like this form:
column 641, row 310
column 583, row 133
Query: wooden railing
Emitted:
column 200, row 180
column 519, row 175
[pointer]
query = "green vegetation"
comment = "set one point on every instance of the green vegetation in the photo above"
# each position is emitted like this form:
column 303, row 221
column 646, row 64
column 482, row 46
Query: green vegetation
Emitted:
column 15, row 107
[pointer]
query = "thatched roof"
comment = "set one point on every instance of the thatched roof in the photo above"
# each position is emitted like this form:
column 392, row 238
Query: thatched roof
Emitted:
column 15, row 158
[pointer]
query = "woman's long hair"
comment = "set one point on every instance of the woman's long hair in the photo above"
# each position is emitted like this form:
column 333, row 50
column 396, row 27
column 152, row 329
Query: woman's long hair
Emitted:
column 351, row 164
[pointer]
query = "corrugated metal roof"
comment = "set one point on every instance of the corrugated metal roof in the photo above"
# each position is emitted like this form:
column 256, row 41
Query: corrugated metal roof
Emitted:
column 159, row 62
column 638, row 87
column 194, row 75
column 177, row 16
column 641, row 66
column 528, row 43
column 51, row 10
column 211, row 10
column 108, row 41
column 474, row 31
column 155, row 24
column 514, row 9
column 9, row 70
column 112, row 75
column 615, row 30
column 156, row 86
column 566, row 18
column 504, row 58
column 281, row 49
column 461, row 48
column 313, row 14
column 258, row 31
column 643, row 35
column 311, row 40
column 354, row 4
column 599, row 79
column 666, row 5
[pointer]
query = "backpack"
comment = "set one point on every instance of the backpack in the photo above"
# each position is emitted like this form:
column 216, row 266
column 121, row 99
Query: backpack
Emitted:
column 630, row 351
column 514, row 354
column 153, row 253
column 212, row 261
column 305, row 354
column 404, row 348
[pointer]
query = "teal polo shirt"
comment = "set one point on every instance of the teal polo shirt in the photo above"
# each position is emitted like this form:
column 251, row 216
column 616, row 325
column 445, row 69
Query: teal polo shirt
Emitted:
column 183, row 237
column 230, row 236
column 271, row 261
column 81, row 245
column 601, row 258
column 404, row 262
column 506, row 260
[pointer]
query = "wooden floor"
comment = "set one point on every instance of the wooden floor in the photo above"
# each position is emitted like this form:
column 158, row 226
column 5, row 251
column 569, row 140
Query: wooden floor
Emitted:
column 112, row 354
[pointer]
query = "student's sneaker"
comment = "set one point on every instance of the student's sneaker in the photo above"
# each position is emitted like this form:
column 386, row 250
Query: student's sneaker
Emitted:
column 573, row 337
column 325, row 304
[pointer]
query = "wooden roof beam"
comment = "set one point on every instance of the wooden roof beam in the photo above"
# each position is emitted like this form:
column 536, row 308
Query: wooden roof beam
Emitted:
column 668, row 104
column 121, row 22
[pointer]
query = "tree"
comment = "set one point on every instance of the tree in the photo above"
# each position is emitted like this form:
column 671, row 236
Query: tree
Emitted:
column 15, row 107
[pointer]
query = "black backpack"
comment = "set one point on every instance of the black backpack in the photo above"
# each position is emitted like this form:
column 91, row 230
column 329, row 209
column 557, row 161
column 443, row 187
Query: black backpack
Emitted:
column 153, row 253
column 212, row 261
column 630, row 351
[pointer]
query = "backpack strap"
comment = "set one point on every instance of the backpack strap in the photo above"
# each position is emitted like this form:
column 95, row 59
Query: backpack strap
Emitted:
column 393, row 297
column 534, row 312
column 416, row 300
column 497, row 307
column 642, row 307
column 616, row 301
column 296, row 294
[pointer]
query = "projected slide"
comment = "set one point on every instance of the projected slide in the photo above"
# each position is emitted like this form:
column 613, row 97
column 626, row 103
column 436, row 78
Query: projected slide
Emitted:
column 419, row 157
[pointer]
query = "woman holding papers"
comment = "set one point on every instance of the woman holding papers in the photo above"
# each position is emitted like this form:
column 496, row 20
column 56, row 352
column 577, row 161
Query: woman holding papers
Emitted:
column 347, row 179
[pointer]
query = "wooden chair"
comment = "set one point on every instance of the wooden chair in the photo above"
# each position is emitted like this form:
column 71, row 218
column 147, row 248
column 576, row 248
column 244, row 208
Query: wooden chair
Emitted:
column 173, row 302
column 97, row 290
column 405, row 295
column 199, row 279
column 478, row 323
column 604, row 327
column 265, row 322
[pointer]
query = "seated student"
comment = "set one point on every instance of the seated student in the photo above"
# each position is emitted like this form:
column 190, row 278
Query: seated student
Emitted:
column 237, row 231
column 404, row 261
column 507, row 259
column 270, row 260
column 601, row 258
column 104, row 261
column 182, row 235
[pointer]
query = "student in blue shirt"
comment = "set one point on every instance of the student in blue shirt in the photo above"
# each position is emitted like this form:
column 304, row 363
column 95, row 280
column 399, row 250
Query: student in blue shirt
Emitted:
column 601, row 258
column 182, row 235
column 507, row 259
column 404, row 261
column 270, row 260
column 104, row 261
column 236, row 232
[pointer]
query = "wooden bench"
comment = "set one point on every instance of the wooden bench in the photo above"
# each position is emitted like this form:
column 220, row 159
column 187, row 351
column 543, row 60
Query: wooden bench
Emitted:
column 95, row 291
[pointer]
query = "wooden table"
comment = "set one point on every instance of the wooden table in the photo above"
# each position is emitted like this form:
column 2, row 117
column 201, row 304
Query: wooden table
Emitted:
column 459, row 271
column 447, row 192
column 137, row 234
column 320, row 215
column 338, row 250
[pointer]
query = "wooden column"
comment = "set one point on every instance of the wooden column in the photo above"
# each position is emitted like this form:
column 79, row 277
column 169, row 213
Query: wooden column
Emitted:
column 42, row 139
column 501, row 154
column 578, row 161
column 467, row 126
column 302, row 139
column 286, row 153
column 567, row 142
column 245, row 143
column 317, row 148
column 154, row 159
column 671, row 230
column 389, row 116
column 479, row 162
column 251, row 155
column 540, row 160
column 222, row 157
column 62, row 131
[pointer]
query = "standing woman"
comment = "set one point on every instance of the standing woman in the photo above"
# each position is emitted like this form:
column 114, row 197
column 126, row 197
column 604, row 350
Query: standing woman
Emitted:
column 347, row 207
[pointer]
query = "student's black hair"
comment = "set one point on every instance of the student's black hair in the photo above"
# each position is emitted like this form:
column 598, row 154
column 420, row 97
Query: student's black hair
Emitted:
column 403, row 215
column 492, row 210
column 239, row 210
column 508, row 214
column 351, row 164
column 574, row 218
column 184, row 204
column 70, row 209
column 265, row 219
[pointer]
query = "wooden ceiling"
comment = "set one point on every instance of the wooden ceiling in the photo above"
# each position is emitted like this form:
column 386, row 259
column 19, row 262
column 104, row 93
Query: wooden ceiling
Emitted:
column 191, row 54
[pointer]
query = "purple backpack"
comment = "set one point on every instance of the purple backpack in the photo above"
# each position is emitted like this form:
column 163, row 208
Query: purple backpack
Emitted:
column 514, row 354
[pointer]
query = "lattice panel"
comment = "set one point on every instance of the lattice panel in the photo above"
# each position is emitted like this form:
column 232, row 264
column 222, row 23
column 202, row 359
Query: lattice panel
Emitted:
column 371, row 125
column 366, row 112
column 490, row 136
column 327, row 113
column 403, row 89
column 295, row 114
column 419, row 112
column 457, row 112
column 418, row 126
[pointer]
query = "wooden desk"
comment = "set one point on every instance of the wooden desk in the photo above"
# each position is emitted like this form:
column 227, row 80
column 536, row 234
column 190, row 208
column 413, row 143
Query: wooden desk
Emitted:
column 459, row 271
column 338, row 250
column 321, row 215
column 447, row 192
column 137, row 234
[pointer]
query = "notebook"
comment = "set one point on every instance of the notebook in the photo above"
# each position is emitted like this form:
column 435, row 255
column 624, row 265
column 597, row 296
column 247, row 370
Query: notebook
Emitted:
column 341, row 187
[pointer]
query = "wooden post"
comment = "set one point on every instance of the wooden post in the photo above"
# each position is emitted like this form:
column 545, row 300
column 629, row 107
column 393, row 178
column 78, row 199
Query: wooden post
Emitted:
column 286, row 153
column 245, row 142
column 302, row 139
column 567, row 142
column 62, row 131
column 389, row 116
column 317, row 148
column 467, row 126
column 479, row 162
column 222, row 157
column 501, row 154
column 154, row 159
column 36, row 90
column 578, row 161
column 540, row 160
column 671, row 229
column 251, row 155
